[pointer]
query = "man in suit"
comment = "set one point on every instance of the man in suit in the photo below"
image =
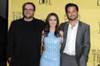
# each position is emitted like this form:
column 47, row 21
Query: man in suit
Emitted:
column 3, row 41
column 24, row 39
column 76, row 43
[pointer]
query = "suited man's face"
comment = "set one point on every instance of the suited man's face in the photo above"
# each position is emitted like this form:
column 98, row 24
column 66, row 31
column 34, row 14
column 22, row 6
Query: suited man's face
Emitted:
column 72, row 13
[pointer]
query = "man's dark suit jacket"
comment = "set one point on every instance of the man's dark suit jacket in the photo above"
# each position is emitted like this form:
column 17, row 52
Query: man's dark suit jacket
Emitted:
column 82, row 41
column 3, row 39
column 24, row 42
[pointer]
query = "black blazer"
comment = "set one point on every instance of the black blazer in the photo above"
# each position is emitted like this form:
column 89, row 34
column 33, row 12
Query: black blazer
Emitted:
column 3, row 39
column 19, row 33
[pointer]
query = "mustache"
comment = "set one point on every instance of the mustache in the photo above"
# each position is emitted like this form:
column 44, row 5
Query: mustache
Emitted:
column 72, row 15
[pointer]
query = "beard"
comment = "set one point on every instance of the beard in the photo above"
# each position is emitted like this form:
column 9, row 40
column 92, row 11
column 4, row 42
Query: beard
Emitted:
column 72, row 19
column 28, row 17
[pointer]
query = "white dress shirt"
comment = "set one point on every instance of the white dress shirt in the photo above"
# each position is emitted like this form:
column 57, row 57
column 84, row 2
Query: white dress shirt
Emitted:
column 70, row 46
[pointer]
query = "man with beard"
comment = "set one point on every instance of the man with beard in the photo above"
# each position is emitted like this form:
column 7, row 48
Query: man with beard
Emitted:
column 76, row 43
column 24, row 39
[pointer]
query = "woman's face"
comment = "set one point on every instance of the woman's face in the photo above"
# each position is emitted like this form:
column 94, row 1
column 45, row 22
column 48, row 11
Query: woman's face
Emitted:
column 52, row 21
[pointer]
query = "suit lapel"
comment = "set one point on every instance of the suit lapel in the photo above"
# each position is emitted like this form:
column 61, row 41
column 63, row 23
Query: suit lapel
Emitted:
column 78, row 36
column 65, row 34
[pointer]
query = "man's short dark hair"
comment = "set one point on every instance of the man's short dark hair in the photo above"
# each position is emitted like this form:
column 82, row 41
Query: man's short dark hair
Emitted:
column 70, row 5
column 30, row 4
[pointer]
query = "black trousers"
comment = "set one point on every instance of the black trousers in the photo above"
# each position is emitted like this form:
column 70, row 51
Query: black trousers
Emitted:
column 22, row 62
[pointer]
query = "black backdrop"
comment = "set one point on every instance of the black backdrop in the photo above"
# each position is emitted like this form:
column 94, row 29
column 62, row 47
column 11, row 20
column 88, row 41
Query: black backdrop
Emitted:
column 3, row 29
column 4, row 8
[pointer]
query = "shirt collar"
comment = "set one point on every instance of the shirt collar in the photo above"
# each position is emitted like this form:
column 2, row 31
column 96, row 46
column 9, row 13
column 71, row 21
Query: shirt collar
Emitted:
column 75, row 25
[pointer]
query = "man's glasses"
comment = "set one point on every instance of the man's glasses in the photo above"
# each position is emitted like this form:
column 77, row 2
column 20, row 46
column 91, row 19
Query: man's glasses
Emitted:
column 28, row 9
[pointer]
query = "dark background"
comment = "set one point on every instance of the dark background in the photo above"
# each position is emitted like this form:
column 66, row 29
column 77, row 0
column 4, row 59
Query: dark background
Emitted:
column 3, row 8
column 3, row 31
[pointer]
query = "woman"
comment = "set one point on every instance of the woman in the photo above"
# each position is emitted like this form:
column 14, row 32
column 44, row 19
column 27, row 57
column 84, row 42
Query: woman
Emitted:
column 52, row 39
